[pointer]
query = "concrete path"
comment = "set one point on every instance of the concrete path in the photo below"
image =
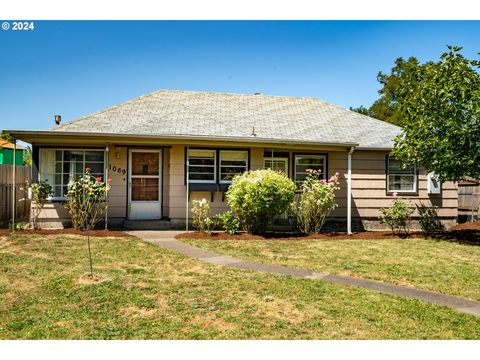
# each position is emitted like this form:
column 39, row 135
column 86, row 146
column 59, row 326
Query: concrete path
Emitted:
column 166, row 240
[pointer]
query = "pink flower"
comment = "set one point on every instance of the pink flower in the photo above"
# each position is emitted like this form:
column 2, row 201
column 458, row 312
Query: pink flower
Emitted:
column 323, row 181
column 88, row 169
column 395, row 194
column 109, row 180
column 337, row 174
column 99, row 179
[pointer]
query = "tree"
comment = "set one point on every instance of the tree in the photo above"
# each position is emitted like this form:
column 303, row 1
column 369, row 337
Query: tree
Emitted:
column 27, row 156
column 439, row 103
column 385, row 108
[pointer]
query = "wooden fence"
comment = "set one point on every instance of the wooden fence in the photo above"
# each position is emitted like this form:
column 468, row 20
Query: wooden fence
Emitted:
column 468, row 199
column 22, row 180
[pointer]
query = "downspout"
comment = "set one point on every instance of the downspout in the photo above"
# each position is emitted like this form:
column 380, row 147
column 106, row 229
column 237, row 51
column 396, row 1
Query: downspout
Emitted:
column 14, row 190
column 188, row 182
column 106, row 186
column 349, row 191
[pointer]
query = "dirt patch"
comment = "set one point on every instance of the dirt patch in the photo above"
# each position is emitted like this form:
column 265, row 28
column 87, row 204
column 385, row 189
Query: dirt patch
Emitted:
column 364, row 235
column 475, row 226
column 89, row 279
column 135, row 311
column 94, row 233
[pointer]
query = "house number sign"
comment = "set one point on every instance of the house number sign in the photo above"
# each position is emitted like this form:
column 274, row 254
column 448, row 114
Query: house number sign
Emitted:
column 117, row 169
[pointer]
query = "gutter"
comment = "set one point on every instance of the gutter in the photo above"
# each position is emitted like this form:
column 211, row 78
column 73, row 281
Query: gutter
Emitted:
column 349, row 191
column 26, row 135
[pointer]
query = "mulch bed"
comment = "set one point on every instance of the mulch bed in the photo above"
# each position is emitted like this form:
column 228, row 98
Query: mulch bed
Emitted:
column 363, row 235
column 94, row 233
column 468, row 233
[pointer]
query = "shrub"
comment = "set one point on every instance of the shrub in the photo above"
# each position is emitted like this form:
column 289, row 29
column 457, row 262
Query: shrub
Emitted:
column 397, row 217
column 315, row 202
column 202, row 220
column 86, row 200
column 40, row 193
column 429, row 220
column 257, row 196
column 229, row 221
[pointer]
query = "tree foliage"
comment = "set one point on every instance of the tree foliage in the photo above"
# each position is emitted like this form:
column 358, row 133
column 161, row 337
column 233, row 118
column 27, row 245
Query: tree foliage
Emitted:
column 386, row 107
column 439, row 103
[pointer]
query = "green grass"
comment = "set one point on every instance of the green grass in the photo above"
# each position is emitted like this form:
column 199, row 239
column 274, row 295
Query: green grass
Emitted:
column 149, row 293
column 442, row 266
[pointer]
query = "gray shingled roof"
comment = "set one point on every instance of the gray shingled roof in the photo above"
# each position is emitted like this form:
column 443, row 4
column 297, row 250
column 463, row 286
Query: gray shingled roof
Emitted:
column 212, row 115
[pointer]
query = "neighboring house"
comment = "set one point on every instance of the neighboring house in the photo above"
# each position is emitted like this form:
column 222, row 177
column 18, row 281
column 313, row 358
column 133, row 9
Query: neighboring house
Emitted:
column 149, row 144
column 6, row 153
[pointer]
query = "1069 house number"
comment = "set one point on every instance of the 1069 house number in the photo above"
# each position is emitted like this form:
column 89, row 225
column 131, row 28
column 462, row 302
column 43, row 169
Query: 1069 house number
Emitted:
column 117, row 169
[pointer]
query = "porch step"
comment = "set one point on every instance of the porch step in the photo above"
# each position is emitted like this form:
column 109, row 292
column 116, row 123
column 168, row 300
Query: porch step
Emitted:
column 147, row 224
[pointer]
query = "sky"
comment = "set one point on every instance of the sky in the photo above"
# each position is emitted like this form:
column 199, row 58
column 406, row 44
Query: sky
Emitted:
column 73, row 68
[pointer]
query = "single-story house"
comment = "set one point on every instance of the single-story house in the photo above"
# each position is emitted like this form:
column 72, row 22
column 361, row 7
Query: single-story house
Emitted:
column 157, row 146
column 7, row 151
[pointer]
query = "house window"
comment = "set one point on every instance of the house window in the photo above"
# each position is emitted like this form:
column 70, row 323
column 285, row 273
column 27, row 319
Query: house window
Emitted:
column 277, row 164
column 401, row 179
column 232, row 163
column 59, row 167
column 305, row 162
column 201, row 166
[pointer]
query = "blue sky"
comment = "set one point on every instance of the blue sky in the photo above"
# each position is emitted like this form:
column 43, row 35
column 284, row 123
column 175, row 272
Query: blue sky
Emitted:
column 73, row 68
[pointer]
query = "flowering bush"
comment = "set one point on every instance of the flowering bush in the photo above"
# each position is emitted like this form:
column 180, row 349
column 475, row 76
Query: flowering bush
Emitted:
column 41, row 190
column 229, row 222
column 86, row 200
column 256, row 196
column 315, row 202
column 202, row 220
column 397, row 217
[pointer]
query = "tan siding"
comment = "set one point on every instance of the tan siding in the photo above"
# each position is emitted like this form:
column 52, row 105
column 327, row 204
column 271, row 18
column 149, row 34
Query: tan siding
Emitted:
column 117, row 196
column 368, row 185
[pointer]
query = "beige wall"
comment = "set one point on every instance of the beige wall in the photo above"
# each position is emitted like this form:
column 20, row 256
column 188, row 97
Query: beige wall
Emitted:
column 368, row 185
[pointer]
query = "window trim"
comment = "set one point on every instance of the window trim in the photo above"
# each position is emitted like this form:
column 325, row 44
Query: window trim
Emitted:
column 214, row 181
column 274, row 158
column 217, row 164
column 54, row 148
column 247, row 163
column 400, row 192
column 294, row 168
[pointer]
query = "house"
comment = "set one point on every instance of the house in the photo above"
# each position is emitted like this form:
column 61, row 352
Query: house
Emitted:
column 148, row 145
column 6, row 153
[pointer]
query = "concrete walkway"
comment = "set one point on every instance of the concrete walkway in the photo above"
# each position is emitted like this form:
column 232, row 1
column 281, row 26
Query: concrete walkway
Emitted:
column 166, row 240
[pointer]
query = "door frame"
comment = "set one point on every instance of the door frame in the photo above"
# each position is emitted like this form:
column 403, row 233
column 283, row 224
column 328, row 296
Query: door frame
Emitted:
column 160, row 180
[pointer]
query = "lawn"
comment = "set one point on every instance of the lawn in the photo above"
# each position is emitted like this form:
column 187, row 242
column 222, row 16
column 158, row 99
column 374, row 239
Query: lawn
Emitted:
column 443, row 266
column 150, row 293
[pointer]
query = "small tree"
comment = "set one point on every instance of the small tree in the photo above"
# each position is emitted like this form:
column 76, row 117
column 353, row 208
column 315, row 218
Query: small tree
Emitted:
column 41, row 190
column 86, row 200
column 315, row 202
column 397, row 217
column 256, row 196
column 202, row 220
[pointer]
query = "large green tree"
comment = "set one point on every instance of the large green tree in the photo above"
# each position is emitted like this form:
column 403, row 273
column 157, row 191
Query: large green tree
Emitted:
column 386, row 107
column 439, row 104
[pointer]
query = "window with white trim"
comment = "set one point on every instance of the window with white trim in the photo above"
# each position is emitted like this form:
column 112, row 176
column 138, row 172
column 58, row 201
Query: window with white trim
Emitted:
column 305, row 162
column 232, row 163
column 276, row 164
column 59, row 167
column 399, row 178
column 202, row 166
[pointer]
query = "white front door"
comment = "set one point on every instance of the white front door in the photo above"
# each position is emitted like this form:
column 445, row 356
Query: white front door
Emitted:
column 145, row 184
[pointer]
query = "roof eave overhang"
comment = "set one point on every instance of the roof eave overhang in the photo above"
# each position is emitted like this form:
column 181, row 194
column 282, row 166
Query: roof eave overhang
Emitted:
column 47, row 137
